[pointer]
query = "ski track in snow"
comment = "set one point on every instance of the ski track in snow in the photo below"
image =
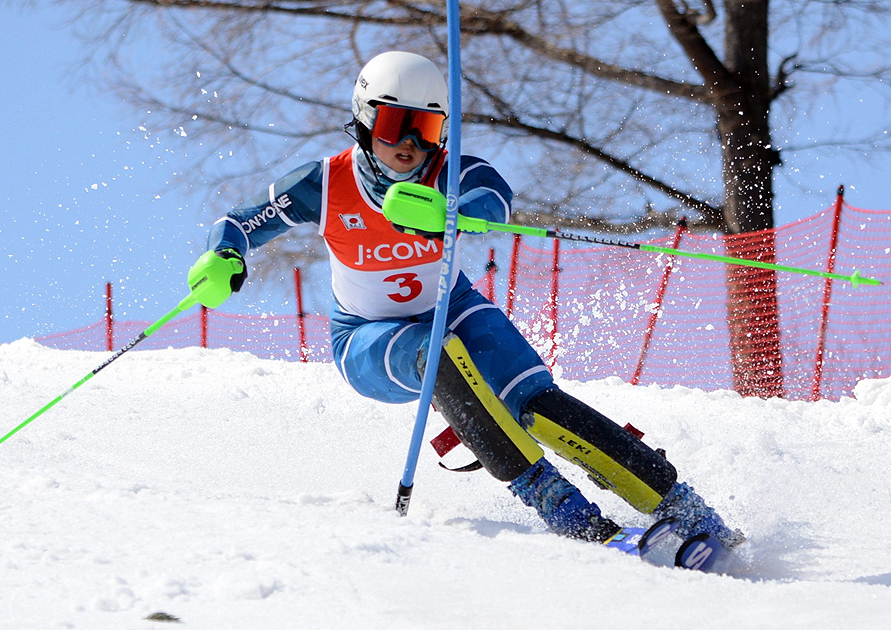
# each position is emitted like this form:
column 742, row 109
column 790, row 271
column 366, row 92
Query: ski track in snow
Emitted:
column 236, row 492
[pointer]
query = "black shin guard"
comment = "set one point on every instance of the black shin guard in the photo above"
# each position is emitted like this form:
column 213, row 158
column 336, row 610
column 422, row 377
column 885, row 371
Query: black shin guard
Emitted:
column 479, row 418
column 613, row 457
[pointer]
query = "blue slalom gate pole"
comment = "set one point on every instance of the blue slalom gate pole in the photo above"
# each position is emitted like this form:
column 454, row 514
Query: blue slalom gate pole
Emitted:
column 447, row 268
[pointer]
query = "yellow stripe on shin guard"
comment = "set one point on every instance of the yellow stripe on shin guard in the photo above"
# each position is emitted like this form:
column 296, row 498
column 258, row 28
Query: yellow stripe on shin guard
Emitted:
column 602, row 468
column 458, row 354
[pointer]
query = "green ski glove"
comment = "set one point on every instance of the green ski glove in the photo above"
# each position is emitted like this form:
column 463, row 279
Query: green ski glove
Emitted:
column 216, row 275
column 418, row 209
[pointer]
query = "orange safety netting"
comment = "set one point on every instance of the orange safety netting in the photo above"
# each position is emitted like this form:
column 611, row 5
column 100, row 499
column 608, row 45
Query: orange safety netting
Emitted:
column 598, row 311
column 590, row 319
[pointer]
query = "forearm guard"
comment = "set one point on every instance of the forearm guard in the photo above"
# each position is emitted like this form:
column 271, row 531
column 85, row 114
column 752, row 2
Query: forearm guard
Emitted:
column 480, row 419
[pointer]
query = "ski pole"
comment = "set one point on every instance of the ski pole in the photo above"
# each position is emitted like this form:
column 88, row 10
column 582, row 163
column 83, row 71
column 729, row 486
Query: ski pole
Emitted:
column 209, row 284
column 447, row 267
column 855, row 278
column 426, row 222
column 185, row 304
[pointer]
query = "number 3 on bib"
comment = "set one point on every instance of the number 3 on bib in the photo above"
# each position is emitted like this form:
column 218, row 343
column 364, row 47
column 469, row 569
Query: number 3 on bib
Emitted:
column 409, row 287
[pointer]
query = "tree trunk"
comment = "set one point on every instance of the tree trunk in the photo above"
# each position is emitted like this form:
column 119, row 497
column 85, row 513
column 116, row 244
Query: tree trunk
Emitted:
column 753, row 318
column 748, row 163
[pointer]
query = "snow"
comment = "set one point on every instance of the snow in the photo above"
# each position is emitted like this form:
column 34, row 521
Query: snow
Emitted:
column 235, row 492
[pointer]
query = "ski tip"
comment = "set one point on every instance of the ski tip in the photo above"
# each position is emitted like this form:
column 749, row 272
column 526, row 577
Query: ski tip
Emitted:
column 699, row 552
column 656, row 534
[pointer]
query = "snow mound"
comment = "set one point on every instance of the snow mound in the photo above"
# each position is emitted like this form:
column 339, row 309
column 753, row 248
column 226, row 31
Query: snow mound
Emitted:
column 234, row 492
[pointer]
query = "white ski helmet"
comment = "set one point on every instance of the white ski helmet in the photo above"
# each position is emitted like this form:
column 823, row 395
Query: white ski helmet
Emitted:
column 400, row 78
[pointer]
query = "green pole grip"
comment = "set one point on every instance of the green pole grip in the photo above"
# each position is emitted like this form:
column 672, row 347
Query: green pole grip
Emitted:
column 210, row 279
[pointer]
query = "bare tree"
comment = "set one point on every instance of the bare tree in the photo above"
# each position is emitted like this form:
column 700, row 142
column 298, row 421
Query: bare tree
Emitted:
column 615, row 115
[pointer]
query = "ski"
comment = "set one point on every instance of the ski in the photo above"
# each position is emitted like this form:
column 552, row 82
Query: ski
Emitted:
column 660, row 532
column 645, row 541
column 660, row 545
column 626, row 540
column 700, row 552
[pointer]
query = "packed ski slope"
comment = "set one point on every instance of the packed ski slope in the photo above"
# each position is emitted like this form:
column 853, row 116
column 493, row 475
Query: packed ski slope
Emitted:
column 238, row 493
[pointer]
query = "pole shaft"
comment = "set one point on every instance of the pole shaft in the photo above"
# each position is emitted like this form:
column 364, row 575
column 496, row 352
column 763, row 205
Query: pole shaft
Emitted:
column 730, row 260
column 854, row 279
column 182, row 306
column 448, row 264
column 480, row 226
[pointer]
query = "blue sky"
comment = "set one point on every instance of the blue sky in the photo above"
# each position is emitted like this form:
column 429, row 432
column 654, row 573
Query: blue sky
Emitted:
column 87, row 196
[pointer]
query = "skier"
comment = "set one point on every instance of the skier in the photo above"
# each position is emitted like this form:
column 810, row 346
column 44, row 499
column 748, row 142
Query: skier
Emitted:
column 384, row 283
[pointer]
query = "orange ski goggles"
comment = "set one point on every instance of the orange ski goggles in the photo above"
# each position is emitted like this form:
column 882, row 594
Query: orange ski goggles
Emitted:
column 393, row 124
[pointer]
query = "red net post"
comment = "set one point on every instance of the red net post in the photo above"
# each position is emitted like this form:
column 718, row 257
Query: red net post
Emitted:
column 203, row 326
column 657, row 306
column 109, row 319
column 491, row 268
column 512, row 276
column 552, row 304
column 301, row 323
column 827, row 295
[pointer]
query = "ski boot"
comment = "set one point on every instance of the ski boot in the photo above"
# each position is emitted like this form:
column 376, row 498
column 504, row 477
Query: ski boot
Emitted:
column 562, row 506
column 695, row 517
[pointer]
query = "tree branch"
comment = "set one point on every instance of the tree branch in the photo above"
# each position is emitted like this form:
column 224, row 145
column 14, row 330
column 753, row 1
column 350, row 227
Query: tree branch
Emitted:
column 706, row 209
column 719, row 81
column 475, row 21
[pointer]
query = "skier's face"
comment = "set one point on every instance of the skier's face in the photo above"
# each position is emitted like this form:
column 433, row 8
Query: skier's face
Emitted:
column 402, row 158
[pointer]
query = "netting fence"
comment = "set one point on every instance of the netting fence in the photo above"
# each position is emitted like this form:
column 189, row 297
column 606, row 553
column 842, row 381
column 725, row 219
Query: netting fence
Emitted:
column 648, row 318
column 594, row 312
